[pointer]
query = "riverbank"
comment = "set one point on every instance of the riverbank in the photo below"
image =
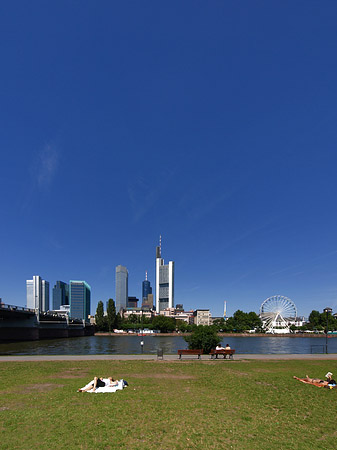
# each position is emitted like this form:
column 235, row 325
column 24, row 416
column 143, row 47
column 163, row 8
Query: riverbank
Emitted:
column 171, row 358
column 292, row 335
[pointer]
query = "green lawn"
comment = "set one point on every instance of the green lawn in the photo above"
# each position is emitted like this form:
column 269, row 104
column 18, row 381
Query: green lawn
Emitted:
column 168, row 405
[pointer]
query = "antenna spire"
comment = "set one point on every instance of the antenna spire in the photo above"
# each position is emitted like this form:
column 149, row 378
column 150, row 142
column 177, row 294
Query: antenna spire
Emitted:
column 146, row 275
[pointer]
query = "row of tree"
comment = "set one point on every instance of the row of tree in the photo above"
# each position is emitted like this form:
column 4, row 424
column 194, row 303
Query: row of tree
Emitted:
column 318, row 321
column 240, row 322
column 107, row 322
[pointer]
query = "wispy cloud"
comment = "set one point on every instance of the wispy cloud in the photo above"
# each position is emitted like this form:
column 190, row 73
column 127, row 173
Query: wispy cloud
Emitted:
column 204, row 204
column 247, row 233
column 142, row 198
column 46, row 166
column 42, row 173
column 296, row 266
column 241, row 277
column 191, row 288
column 144, row 194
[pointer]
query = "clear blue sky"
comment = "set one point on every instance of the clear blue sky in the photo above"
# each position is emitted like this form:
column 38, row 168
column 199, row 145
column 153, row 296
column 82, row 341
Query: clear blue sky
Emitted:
column 212, row 123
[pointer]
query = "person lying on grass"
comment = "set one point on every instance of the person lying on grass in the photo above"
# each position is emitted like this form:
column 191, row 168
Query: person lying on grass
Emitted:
column 99, row 382
column 318, row 381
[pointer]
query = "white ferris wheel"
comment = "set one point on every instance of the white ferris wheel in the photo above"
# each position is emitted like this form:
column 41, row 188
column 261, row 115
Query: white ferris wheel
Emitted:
column 277, row 313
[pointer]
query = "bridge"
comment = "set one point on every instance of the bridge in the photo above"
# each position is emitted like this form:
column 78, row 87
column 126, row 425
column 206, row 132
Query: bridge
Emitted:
column 25, row 324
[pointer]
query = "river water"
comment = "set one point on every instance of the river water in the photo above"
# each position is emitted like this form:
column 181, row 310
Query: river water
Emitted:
column 105, row 345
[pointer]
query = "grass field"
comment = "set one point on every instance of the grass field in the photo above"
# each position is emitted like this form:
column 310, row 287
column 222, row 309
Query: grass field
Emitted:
column 168, row 405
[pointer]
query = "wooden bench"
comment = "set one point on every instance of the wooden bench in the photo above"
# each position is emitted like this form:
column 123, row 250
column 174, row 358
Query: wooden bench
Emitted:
column 225, row 353
column 190, row 352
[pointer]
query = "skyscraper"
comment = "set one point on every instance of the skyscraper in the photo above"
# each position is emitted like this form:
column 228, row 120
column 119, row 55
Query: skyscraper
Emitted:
column 121, row 288
column 79, row 298
column 164, row 282
column 37, row 293
column 60, row 294
column 146, row 290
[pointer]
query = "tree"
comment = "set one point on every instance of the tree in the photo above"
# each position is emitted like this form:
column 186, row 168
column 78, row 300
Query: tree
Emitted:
column 220, row 324
column 203, row 337
column 118, row 321
column 99, row 317
column 111, row 314
column 242, row 321
column 133, row 318
column 164, row 324
column 182, row 326
column 254, row 321
column 315, row 319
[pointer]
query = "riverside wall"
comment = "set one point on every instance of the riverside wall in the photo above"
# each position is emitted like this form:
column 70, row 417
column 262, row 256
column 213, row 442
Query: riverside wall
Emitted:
column 35, row 333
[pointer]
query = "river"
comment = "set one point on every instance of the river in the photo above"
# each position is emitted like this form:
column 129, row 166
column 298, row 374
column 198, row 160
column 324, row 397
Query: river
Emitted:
column 105, row 345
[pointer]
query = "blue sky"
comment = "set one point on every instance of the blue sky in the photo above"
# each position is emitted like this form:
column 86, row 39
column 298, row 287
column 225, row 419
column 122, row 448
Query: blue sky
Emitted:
column 212, row 124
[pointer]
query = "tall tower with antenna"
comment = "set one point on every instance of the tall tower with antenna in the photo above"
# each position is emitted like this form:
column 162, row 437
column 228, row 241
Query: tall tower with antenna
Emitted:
column 147, row 297
column 164, row 282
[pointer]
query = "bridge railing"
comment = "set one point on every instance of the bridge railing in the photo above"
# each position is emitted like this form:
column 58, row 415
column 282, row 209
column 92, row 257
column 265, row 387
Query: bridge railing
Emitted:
column 16, row 308
column 43, row 315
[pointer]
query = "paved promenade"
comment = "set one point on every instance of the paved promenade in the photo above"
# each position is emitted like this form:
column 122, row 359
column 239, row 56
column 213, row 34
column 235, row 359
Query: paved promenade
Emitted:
column 309, row 357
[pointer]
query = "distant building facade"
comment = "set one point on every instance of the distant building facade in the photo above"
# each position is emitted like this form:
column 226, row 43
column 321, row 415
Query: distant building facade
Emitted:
column 202, row 317
column 164, row 282
column 60, row 295
column 37, row 293
column 121, row 288
column 132, row 302
column 148, row 303
column 179, row 314
column 139, row 312
column 79, row 299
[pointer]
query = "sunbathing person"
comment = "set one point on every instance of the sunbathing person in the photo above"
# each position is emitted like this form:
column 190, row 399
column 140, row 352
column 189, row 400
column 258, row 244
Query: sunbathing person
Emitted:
column 317, row 381
column 99, row 382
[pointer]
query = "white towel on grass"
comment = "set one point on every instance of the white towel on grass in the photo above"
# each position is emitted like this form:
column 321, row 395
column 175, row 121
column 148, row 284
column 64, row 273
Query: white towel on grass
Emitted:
column 105, row 389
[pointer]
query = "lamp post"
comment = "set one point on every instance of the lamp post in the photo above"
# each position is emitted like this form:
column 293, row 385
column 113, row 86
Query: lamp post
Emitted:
column 327, row 312
column 142, row 332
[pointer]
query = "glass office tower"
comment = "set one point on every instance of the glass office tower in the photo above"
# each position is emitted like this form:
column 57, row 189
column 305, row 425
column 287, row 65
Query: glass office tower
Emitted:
column 146, row 290
column 79, row 300
column 37, row 293
column 60, row 294
column 164, row 282
column 121, row 288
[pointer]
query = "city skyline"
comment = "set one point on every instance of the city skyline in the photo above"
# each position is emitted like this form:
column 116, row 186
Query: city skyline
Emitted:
column 211, row 124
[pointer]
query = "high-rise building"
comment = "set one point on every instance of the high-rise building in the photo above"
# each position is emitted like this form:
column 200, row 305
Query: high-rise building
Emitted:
column 164, row 282
column 121, row 288
column 45, row 295
column 37, row 293
column 132, row 302
column 60, row 294
column 79, row 299
column 146, row 290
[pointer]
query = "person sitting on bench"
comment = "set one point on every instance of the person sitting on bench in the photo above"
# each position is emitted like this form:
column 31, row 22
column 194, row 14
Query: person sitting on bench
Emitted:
column 218, row 347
